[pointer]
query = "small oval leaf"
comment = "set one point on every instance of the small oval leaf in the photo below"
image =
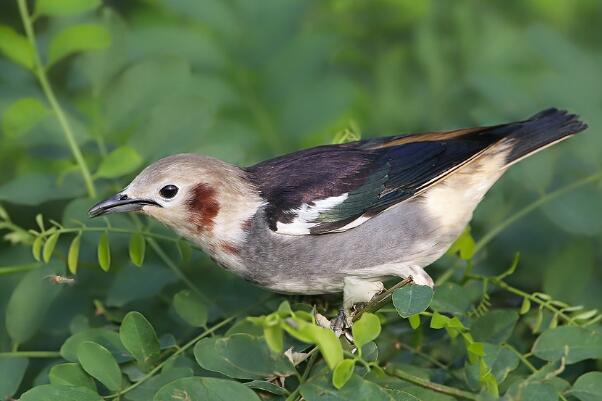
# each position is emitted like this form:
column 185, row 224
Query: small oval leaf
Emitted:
column 190, row 308
column 137, row 249
column 119, row 162
column 56, row 392
column 49, row 246
column 412, row 299
column 205, row 388
column 104, row 252
column 78, row 38
column 343, row 372
column 366, row 329
column 16, row 47
column 70, row 374
column 73, row 256
column 98, row 362
column 23, row 115
column 36, row 248
column 139, row 338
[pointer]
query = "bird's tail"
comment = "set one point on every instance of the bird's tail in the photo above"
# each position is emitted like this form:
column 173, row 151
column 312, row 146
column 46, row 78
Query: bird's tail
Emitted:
column 538, row 132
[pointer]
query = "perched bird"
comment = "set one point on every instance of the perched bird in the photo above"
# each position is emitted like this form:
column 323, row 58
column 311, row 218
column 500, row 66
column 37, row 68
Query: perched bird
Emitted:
column 337, row 217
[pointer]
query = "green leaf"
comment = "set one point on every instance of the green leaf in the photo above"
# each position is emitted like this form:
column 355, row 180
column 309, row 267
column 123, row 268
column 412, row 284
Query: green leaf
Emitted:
column 35, row 188
column 205, row 388
column 36, row 248
column 451, row 298
column 28, row 304
column 588, row 387
column 70, row 374
column 366, row 329
column 241, row 356
column 49, row 246
column 137, row 249
column 414, row 321
column 98, row 362
column 525, row 307
column 104, row 252
column 328, row 343
column 139, row 338
column 77, row 38
column 190, row 308
column 12, row 371
column 16, row 47
column 532, row 391
column 119, row 162
column 576, row 342
column 495, row 326
column 105, row 337
column 267, row 386
column 23, row 115
column 464, row 246
column 73, row 255
column 343, row 372
column 499, row 360
column 412, row 299
column 54, row 392
column 274, row 337
column 56, row 8
column 149, row 388
column 319, row 388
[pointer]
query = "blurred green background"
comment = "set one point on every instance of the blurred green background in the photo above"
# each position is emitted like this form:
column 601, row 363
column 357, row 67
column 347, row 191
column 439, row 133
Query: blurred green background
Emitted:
column 248, row 80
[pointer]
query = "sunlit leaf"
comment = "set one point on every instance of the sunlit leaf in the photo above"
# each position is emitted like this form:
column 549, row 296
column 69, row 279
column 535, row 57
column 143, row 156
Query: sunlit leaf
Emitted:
column 414, row 321
column 64, row 7
column 105, row 337
column 16, row 47
column 464, row 246
column 366, row 329
column 49, row 246
column 274, row 337
column 190, row 308
column 78, row 38
column 22, row 116
column 121, row 161
column 98, row 362
column 104, row 252
column 343, row 372
column 70, row 374
column 139, row 338
column 137, row 249
column 327, row 342
column 73, row 255
column 412, row 299
column 36, row 248
column 525, row 307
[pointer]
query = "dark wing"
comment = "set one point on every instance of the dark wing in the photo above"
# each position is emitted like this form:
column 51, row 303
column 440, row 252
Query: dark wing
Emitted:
column 337, row 187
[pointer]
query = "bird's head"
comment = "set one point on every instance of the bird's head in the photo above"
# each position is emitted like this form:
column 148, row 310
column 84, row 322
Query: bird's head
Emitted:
column 201, row 198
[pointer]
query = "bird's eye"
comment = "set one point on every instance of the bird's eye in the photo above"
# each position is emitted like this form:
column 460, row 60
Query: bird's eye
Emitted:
column 168, row 191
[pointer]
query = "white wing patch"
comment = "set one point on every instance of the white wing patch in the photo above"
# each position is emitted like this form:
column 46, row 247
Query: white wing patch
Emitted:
column 306, row 215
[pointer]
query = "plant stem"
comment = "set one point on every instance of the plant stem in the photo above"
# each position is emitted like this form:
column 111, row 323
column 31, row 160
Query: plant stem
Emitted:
column 440, row 388
column 19, row 269
column 178, row 352
column 117, row 230
column 40, row 73
column 533, row 206
column 30, row 354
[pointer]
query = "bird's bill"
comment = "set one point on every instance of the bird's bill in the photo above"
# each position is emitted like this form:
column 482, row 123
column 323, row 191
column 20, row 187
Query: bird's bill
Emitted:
column 118, row 204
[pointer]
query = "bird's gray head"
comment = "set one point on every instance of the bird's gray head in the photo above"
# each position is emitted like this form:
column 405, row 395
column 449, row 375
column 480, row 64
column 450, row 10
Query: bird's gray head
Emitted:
column 193, row 194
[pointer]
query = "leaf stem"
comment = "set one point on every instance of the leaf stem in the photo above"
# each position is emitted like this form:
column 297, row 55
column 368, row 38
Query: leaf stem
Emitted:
column 19, row 269
column 178, row 352
column 30, row 354
column 40, row 73
column 440, row 388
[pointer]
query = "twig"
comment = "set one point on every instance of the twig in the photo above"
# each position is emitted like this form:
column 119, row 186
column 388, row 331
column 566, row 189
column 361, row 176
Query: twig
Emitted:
column 40, row 73
column 439, row 388
column 31, row 354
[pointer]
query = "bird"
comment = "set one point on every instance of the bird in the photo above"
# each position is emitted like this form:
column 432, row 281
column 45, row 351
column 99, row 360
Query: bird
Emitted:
column 339, row 217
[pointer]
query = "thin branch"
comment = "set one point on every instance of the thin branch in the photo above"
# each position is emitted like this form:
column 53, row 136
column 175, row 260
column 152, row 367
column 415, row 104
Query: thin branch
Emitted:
column 178, row 352
column 40, row 73
column 439, row 388
column 30, row 354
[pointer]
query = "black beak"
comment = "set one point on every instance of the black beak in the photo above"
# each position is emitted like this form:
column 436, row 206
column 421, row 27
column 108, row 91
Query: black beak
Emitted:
column 118, row 204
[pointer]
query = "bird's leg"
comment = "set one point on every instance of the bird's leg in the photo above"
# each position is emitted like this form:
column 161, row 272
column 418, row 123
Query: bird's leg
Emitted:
column 355, row 291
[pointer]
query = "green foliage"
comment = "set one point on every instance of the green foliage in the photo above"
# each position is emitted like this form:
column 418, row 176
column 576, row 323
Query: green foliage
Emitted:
column 91, row 91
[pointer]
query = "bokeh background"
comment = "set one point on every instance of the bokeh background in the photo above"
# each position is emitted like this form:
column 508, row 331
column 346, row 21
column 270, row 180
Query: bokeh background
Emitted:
column 248, row 80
